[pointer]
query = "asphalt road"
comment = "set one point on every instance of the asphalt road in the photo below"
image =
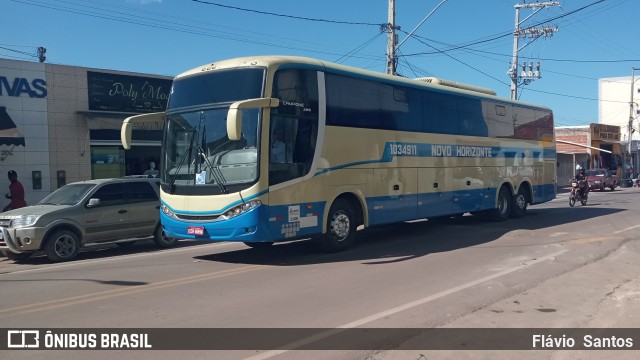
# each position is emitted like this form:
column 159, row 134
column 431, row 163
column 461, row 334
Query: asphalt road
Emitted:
column 462, row 272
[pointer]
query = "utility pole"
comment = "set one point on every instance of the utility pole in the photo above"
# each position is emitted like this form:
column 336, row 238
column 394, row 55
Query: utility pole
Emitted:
column 630, row 125
column 533, row 33
column 392, row 39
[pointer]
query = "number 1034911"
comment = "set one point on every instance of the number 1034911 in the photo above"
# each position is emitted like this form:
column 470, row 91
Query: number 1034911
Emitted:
column 400, row 149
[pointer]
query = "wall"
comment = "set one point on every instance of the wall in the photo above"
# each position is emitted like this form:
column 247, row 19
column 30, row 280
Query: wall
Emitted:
column 613, row 107
column 68, row 131
column 24, row 93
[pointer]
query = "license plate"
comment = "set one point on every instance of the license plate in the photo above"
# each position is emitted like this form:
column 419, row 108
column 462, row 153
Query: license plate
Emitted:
column 195, row 230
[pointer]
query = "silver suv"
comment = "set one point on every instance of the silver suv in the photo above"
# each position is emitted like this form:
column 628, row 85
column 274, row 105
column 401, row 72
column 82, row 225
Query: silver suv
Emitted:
column 83, row 214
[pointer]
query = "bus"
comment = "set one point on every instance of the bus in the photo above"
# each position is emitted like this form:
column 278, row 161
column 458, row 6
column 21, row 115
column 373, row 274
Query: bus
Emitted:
column 275, row 148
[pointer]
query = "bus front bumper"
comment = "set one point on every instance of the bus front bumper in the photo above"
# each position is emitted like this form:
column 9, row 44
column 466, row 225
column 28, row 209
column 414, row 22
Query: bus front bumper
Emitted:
column 246, row 227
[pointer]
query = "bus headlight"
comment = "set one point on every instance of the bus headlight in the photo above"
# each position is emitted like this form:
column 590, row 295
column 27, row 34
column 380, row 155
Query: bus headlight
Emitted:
column 168, row 212
column 241, row 209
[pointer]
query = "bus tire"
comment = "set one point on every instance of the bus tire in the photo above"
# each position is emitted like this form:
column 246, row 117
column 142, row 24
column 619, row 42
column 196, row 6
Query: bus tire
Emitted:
column 520, row 201
column 503, row 210
column 341, row 227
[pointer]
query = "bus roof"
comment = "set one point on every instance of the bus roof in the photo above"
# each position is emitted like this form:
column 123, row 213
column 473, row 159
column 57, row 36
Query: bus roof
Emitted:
column 433, row 83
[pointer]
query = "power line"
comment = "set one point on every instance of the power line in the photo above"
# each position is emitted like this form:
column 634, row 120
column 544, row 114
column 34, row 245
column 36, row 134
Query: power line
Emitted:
column 460, row 61
column 178, row 27
column 287, row 16
column 18, row 51
column 359, row 47
column 590, row 61
column 508, row 33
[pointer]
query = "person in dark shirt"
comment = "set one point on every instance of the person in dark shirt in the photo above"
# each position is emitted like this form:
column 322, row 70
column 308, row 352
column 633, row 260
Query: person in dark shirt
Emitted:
column 16, row 192
column 582, row 182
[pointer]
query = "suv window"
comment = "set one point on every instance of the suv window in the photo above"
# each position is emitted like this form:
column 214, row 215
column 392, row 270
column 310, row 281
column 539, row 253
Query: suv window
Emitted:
column 110, row 195
column 140, row 192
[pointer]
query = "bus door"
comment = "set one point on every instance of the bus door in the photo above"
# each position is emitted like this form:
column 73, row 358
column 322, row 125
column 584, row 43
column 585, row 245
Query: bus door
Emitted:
column 293, row 137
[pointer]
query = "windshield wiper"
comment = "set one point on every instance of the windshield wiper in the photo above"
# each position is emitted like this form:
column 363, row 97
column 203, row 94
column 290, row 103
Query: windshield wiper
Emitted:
column 215, row 172
column 184, row 156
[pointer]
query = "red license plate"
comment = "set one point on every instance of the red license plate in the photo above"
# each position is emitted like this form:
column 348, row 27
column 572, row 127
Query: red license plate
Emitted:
column 195, row 230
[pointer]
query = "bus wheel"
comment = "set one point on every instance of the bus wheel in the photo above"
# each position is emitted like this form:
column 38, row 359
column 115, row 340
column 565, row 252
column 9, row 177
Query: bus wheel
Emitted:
column 519, row 206
column 503, row 210
column 259, row 245
column 341, row 227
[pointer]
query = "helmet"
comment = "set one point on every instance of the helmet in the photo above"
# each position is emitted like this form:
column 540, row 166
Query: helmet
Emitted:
column 12, row 173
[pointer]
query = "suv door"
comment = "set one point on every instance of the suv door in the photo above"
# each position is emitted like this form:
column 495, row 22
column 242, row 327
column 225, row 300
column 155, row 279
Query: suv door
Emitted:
column 144, row 207
column 107, row 221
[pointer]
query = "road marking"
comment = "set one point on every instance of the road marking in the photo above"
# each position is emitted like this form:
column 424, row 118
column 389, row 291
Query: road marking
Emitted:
column 74, row 300
column 627, row 229
column 397, row 309
column 122, row 257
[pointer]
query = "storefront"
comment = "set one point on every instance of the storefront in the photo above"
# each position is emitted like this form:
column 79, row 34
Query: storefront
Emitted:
column 594, row 146
column 60, row 124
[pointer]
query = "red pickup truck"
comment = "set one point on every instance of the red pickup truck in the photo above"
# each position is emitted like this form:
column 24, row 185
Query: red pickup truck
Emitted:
column 599, row 179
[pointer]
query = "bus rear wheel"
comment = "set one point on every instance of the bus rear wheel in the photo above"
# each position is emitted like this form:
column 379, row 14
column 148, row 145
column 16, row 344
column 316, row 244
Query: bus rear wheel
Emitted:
column 341, row 228
column 503, row 211
column 519, row 206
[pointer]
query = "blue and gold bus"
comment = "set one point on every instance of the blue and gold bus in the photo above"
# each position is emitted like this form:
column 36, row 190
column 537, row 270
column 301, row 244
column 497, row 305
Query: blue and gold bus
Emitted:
column 274, row 148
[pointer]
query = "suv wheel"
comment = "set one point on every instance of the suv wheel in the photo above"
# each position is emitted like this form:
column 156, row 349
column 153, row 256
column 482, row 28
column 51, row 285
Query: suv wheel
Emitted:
column 62, row 245
column 162, row 240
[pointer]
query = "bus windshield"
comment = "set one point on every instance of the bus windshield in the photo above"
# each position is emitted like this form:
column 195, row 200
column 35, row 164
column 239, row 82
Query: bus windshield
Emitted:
column 197, row 151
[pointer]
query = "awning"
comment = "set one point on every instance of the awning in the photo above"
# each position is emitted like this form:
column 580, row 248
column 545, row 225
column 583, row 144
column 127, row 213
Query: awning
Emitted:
column 9, row 133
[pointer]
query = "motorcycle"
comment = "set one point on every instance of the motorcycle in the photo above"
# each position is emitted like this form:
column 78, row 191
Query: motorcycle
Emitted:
column 579, row 192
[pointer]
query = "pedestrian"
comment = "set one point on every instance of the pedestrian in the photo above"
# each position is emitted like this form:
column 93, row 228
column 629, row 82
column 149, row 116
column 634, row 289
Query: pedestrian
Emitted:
column 16, row 192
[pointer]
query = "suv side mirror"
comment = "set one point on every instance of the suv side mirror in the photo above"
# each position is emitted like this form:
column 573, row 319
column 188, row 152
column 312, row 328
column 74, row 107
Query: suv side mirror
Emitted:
column 93, row 202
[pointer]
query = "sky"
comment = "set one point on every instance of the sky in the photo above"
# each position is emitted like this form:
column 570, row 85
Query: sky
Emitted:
column 468, row 41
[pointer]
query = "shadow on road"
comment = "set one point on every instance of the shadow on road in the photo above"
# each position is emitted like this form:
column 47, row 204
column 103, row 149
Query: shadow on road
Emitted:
column 402, row 242
column 99, row 252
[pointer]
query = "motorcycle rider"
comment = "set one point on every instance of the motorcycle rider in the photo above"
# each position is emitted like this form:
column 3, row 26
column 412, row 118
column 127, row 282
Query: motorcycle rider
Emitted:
column 583, row 185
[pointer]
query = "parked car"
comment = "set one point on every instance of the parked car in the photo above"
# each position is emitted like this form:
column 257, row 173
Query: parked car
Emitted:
column 599, row 179
column 84, row 214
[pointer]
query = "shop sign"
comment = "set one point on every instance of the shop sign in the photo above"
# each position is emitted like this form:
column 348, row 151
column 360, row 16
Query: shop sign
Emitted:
column 124, row 93
column 605, row 132
column 36, row 88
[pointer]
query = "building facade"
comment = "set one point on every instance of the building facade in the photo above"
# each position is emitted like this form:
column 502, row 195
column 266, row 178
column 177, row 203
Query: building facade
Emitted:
column 60, row 124
column 591, row 146
column 619, row 106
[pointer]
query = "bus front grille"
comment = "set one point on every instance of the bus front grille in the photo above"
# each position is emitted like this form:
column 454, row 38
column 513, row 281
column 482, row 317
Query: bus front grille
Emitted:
column 198, row 218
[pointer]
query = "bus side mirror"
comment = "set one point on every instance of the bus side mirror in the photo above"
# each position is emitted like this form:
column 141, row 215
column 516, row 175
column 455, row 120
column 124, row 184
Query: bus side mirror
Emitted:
column 147, row 121
column 234, row 116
